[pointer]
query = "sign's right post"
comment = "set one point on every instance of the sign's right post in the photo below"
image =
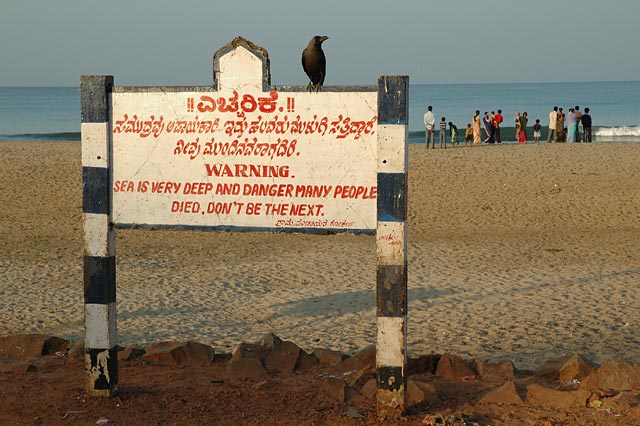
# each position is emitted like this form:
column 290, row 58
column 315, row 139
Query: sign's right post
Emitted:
column 391, row 245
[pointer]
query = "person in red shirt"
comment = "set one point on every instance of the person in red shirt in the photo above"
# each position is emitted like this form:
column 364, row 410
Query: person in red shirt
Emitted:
column 496, row 125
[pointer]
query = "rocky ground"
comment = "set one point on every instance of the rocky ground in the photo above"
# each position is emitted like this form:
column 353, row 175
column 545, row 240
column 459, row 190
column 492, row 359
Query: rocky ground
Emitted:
column 271, row 382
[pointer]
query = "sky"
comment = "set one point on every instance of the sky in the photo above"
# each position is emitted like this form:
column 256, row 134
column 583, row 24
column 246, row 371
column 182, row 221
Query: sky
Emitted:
column 160, row 42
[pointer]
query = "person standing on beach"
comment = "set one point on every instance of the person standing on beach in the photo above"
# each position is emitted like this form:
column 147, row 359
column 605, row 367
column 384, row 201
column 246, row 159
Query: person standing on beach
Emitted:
column 488, row 128
column 517, row 127
column 572, row 125
column 523, row 128
column 536, row 131
column 443, row 133
column 553, row 115
column 496, row 125
column 429, row 124
column 477, row 138
column 560, row 134
column 454, row 134
column 586, row 125
column 579, row 118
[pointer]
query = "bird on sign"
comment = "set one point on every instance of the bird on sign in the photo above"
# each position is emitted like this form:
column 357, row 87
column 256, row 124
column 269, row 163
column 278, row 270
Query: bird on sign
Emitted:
column 314, row 63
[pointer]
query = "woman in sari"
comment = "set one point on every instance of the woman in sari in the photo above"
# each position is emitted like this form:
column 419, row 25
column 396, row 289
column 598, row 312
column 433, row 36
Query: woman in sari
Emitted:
column 572, row 125
column 523, row 128
column 488, row 128
column 476, row 128
column 561, row 135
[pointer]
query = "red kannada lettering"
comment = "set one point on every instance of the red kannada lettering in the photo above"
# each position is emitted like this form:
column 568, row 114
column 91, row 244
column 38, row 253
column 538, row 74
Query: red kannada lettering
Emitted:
column 248, row 103
column 343, row 127
column 156, row 126
column 248, row 147
column 143, row 128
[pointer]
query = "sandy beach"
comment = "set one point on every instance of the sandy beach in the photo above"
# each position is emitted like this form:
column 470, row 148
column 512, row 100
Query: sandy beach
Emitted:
column 518, row 252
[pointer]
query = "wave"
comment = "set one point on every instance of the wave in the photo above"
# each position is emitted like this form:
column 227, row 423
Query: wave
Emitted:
column 600, row 134
column 621, row 131
column 61, row 136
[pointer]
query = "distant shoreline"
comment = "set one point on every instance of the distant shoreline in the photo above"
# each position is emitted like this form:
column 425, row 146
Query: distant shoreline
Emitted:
column 44, row 137
column 600, row 134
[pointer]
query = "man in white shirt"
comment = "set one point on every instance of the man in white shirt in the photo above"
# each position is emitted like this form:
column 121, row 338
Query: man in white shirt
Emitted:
column 553, row 115
column 429, row 124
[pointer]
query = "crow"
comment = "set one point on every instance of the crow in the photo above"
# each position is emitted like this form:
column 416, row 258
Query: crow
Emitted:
column 314, row 63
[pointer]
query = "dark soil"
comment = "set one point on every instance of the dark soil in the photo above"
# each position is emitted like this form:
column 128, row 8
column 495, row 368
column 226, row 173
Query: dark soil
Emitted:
column 51, row 391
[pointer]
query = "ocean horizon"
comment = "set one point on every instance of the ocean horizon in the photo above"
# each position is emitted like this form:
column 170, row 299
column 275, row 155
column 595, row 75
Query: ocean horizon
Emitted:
column 53, row 113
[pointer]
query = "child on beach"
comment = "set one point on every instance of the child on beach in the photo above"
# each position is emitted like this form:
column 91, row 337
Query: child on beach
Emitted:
column 443, row 133
column 454, row 134
column 468, row 135
column 536, row 131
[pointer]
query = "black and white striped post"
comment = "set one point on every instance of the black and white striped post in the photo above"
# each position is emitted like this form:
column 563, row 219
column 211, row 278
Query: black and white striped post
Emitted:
column 101, row 361
column 391, row 244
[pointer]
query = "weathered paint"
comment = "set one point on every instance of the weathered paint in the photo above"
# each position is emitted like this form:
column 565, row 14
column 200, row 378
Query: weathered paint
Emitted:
column 391, row 275
column 95, row 190
column 233, row 60
column 391, row 378
column 94, row 98
column 99, row 279
column 392, row 392
column 101, row 366
column 100, row 325
column 240, row 67
column 392, row 156
column 392, row 208
column 95, row 152
column 391, row 243
column 99, row 239
column 393, row 95
column 392, row 290
column 390, row 342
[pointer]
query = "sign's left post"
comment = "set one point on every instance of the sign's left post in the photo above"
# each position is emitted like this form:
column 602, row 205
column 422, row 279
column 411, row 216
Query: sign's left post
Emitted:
column 101, row 361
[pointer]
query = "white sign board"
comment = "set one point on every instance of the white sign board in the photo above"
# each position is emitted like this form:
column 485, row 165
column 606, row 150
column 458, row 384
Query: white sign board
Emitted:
column 245, row 159
column 242, row 155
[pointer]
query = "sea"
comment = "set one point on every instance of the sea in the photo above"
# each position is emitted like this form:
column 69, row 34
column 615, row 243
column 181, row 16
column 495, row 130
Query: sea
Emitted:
column 53, row 113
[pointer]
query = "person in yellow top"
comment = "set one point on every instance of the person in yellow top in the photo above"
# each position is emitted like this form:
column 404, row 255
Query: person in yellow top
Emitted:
column 468, row 135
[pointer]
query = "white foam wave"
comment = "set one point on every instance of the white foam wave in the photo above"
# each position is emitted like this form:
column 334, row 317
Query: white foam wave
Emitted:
column 618, row 131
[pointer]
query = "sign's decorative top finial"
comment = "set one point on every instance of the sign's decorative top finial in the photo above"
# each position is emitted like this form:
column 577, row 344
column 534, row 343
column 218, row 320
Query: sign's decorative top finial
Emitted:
column 241, row 61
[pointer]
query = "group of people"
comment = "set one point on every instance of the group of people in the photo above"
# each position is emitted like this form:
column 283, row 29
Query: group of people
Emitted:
column 565, row 127
column 490, row 124
column 486, row 129
column 430, row 126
